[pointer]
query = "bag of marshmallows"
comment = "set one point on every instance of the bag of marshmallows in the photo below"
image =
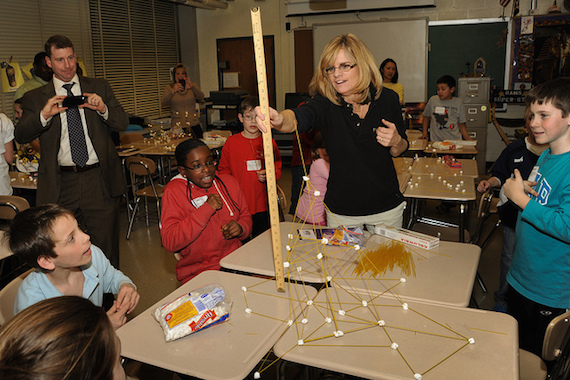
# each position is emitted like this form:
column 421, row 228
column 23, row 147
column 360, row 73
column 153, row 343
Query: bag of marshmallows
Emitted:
column 197, row 310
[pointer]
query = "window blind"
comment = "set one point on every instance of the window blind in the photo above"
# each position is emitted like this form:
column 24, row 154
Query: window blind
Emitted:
column 135, row 43
column 26, row 25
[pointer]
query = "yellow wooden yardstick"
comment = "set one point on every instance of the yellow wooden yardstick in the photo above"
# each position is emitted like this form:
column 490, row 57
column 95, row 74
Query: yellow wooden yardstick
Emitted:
column 268, row 148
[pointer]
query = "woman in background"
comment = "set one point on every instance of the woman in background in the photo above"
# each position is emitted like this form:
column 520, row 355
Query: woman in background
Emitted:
column 389, row 71
column 62, row 338
column 181, row 96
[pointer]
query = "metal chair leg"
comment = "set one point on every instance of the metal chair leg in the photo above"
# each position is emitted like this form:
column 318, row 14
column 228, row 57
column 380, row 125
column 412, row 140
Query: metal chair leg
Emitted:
column 490, row 235
column 485, row 242
column 158, row 212
column 481, row 283
column 132, row 219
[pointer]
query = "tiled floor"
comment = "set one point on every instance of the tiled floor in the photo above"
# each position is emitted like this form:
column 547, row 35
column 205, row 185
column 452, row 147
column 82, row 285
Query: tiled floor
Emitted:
column 151, row 267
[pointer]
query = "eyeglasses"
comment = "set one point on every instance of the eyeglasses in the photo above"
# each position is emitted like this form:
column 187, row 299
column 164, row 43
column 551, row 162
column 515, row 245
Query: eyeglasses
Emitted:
column 345, row 67
column 249, row 117
column 199, row 167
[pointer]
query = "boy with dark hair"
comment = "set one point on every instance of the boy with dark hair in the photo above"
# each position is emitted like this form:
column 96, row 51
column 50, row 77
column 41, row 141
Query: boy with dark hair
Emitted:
column 444, row 114
column 48, row 239
column 242, row 157
column 540, row 270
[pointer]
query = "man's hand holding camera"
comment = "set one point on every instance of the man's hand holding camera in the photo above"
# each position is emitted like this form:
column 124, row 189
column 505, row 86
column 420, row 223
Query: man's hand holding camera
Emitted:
column 52, row 107
column 95, row 103
column 58, row 104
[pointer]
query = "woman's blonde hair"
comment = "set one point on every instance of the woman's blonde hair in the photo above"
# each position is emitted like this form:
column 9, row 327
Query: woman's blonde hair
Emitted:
column 62, row 338
column 357, row 52
column 173, row 72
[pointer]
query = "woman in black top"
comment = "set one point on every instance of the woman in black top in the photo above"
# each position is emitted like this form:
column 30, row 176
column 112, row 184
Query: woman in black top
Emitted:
column 363, row 129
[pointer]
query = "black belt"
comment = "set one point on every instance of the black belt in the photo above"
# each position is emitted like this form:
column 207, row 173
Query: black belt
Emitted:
column 78, row 169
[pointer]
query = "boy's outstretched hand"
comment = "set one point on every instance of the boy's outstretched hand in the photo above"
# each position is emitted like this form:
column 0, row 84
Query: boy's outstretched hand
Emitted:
column 128, row 296
column 516, row 189
column 231, row 230
column 117, row 316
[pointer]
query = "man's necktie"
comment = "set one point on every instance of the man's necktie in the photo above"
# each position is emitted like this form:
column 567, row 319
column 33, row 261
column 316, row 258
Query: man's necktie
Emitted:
column 79, row 153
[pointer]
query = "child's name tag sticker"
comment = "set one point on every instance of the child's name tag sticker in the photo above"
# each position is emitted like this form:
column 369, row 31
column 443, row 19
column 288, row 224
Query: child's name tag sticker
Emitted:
column 439, row 110
column 197, row 202
column 533, row 173
column 253, row 165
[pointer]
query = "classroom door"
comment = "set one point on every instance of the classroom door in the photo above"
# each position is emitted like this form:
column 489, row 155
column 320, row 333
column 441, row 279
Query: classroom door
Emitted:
column 236, row 63
column 303, row 59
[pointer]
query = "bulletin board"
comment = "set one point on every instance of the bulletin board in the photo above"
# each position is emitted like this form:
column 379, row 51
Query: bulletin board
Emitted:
column 452, row 45
column 541, row 49
column 405, row 41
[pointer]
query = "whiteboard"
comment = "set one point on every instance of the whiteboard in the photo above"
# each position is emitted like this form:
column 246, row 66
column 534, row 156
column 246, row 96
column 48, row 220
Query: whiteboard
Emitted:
column 405, row 41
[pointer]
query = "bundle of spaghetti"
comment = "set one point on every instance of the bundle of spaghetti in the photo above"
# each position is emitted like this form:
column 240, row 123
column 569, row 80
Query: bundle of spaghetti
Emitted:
column 377, row 260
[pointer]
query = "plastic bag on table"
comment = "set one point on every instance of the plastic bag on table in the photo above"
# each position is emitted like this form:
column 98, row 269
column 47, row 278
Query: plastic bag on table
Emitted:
column 194, row 311
column 341, row 235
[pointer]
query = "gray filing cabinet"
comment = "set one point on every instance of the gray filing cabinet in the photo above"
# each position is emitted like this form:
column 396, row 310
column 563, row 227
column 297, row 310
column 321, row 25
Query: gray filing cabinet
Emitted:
column 475, row 95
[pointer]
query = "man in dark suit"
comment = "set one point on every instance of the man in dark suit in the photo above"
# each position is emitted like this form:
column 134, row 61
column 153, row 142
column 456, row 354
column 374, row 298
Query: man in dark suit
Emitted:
column 79, row 165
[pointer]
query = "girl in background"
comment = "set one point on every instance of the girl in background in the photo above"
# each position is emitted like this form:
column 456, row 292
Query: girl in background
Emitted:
column 204, row 216
column 389, row 71
column 311, row 208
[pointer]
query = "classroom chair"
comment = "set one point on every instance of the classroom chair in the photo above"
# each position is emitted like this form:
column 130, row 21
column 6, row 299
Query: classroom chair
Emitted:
column 8, row 297
column 487, row 208
column 556, row 346
column 10, row 205
column 142, row 170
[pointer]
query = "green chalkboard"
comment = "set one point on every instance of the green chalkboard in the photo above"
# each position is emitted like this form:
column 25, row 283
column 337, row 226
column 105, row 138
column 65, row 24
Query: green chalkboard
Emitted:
column 453, row 45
